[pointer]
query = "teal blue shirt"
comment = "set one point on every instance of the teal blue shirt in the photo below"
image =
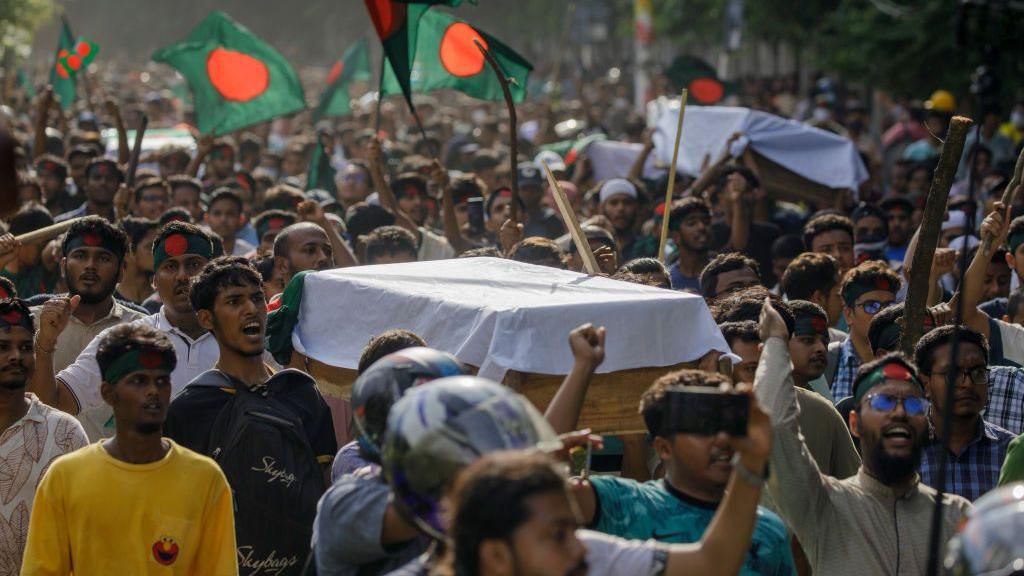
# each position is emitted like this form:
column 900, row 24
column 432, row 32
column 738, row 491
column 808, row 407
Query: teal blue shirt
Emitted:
column 655, row 510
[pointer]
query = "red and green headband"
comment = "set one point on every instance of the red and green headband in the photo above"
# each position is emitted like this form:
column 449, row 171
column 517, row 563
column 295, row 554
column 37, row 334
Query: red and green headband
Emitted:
column 807, row 325
column 854, row 290
column 273, row 224
column 137, row 359
column 179, row 244
column 14, row 317
column 92, row 239
column 891, row 370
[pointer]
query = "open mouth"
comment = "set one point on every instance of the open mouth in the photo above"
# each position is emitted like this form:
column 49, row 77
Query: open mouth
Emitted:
column 153, row 406
column 251, row 328
column 899, row 434
column 721, row 457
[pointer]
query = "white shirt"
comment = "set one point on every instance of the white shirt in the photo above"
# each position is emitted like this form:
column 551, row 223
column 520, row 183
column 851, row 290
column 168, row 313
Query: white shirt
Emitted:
column 434, row 246
column 83, row 376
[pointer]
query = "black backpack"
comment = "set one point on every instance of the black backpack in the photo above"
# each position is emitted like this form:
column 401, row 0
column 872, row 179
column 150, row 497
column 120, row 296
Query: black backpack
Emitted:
column 262, row 448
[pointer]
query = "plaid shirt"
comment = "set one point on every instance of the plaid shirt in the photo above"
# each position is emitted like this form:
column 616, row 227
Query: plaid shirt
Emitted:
column 1006, row 398
column 974, row 471
column 846, row 371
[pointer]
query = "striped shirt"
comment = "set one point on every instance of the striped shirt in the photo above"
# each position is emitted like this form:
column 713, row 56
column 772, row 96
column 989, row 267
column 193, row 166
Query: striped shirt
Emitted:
column 1006, row 398
column 846, row 371
column 975, row 470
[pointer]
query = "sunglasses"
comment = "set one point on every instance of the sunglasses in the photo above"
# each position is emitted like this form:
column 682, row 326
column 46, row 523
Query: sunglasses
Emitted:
column 912, row 405
column 873, row 306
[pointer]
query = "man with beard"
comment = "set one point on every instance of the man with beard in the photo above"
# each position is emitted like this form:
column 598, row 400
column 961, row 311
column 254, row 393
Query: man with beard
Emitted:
column 102, row 179
column 977, row 447
column 898, row 212
column 618, row 199
column 833, row 235
column 877, row 521
column 136, row 503
column 179, row 252
column 93, row 262
column 22, row 416
column 689, row 228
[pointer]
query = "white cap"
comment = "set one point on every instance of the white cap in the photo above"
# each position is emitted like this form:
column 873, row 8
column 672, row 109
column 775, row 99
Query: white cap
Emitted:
column 956, row 219
column 617, row 186
column 551, row 158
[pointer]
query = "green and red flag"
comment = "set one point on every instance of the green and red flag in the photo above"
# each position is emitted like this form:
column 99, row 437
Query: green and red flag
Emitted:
column 354, row 65
column 447, row 58
column 63, row 86
column 237, row 80
column 71, row 62
column 396, row 23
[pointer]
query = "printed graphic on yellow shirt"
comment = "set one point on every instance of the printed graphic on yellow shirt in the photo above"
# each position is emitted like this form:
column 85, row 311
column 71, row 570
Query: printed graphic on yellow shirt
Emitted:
column 165, row 551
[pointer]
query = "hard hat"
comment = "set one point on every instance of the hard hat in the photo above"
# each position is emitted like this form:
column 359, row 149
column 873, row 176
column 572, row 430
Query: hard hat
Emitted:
column 941, row 101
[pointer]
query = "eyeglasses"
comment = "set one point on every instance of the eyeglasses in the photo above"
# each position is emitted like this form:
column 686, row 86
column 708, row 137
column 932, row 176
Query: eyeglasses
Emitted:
column 912, row 405
column 978, row 374
column 355, row 178
column 873, row 306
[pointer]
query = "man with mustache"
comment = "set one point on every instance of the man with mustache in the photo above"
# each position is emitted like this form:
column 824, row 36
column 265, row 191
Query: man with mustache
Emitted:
column 977, row 447
column 179, row 252
column 689, row 229
column 22, row 416
column 136, row 503
column 877, row 521
column 93, row 262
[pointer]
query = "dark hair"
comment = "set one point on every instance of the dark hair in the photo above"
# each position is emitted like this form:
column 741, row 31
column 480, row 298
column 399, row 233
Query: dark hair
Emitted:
column 808, row 273
column 8, row 285
column 124, row 337
column 484, row 252
column 107, row 161
column 787, row 246
column 489, row 502
column 386, row 343
column 654, row 400
column 408, row 179
column 536, row 250
column 257, row 221
column 183, row 180
column 175, row 214
column 744, row 330
column 31, row 216
column 181, row 228
column 721, row 264
column 826, row 223
column 805, row 309
column 465, row 187
column 682, row 208
column 924, row 351
column 747, row 305
column 868, row 367
column 389, row 240
column 1016, row 226
column 1013, row 304
column 152, row 182
column 56, row 162
column 15, row 304
column 362, row 218
column 265, row 266
column 218, row 274
column 644, row 266
column 112, row 236
column 283, row 197
column 136, row 229
column 224, row 193
column 869, row 273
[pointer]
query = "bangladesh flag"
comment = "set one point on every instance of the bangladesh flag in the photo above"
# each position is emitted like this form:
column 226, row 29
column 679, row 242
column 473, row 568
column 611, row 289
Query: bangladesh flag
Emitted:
column 354, row 65
column 447, row 57
column 237, row 80
column 71, row 62
column 63, row 85
column 396, row 22
column 321, row 173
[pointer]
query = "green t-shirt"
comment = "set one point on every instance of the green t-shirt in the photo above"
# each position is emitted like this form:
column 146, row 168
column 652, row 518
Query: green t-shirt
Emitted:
column 655, row 510
column 1013, row 464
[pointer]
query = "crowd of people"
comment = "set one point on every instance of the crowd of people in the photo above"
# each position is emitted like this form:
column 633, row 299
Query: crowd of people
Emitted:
column 158, row 309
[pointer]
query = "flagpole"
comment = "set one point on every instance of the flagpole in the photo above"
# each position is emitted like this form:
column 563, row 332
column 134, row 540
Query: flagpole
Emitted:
column 513, row 130
column 672, row 178
column 380, row 96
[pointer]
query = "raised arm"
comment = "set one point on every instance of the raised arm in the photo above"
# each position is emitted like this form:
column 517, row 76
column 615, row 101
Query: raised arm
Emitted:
column 204, row 145
column 53, row 319
column 384, row 192
column 636, row 171
column 995, row 226
column 439, row 176
column 310, row 211
column 44, row 104
column 587, row 345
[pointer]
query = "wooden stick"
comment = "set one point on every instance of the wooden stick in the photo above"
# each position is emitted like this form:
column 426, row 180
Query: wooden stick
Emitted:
column 1008, row 196
column 133, row 160
column 513, row 130
column 51, row 231
column 672, row 177
column 928, row 236
column 569, row 217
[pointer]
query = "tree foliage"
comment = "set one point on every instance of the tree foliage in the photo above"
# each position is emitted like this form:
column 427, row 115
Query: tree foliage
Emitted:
column 19, row 19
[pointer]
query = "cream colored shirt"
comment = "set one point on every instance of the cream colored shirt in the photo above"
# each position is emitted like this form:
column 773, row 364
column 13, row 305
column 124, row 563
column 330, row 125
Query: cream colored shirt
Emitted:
column 852, row 527
column 78, row 334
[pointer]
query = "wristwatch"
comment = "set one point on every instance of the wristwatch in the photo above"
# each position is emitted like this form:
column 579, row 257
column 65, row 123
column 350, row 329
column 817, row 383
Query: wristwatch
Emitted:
column 745, row 474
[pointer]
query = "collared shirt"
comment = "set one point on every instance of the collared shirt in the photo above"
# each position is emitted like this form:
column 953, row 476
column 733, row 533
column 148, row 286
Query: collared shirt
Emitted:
column 1006, row 398
column 975, row 470
column 846, row 370
column 83, row 377
column 78, row 334
column 28, row 447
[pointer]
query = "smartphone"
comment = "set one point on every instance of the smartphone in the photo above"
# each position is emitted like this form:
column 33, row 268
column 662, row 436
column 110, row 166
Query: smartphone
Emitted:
column 475, row 209
column 706, row 412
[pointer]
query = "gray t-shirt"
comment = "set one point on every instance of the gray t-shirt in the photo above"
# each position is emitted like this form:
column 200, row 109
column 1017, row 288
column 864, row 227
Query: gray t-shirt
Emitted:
column 346, row 533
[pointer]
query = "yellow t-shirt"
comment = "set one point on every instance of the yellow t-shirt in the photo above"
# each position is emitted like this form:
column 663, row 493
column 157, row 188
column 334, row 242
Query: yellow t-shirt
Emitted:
column 95, row 515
